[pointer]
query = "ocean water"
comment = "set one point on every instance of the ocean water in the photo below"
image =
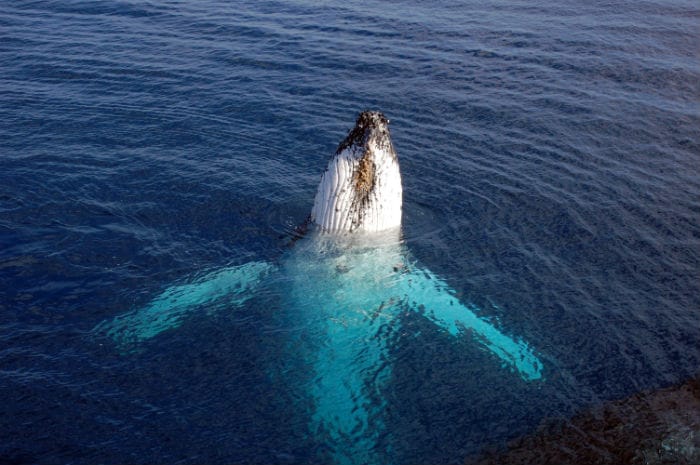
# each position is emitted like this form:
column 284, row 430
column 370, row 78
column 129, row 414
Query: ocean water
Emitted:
column 549, row 153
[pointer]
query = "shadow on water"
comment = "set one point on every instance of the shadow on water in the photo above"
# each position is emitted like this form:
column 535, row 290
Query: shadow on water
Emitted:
column 658, row 427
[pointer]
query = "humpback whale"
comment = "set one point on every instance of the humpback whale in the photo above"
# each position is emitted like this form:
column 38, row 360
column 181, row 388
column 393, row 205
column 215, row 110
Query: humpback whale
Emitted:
column 347, row 282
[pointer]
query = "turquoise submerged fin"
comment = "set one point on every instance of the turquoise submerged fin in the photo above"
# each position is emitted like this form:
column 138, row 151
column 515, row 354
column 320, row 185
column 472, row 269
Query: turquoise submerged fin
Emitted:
column 168, row 310
column 351, row 369
column 423, row 288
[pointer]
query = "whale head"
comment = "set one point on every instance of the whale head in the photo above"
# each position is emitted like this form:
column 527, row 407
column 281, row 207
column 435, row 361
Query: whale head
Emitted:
column 361, row 188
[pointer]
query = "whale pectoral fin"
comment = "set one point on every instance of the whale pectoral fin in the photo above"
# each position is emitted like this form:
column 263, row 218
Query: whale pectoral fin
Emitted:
column 423, row 288
column 168, row 310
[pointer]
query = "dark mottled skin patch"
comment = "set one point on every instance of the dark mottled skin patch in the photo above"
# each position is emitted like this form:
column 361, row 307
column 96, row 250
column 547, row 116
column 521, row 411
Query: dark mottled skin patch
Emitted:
column 363, row 177
column 368, row 122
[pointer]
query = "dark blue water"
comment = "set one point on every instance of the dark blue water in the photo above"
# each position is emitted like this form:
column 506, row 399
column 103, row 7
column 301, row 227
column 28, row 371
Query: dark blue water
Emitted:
column 550, row 155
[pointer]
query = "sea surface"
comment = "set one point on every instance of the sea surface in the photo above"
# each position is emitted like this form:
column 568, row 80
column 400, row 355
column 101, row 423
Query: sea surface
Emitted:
column 550, row 153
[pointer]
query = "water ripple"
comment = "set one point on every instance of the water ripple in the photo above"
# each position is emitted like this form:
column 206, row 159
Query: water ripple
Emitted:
column 549, row 154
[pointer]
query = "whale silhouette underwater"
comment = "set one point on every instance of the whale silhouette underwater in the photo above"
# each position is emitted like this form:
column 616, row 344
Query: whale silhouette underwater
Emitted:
column 347, row 282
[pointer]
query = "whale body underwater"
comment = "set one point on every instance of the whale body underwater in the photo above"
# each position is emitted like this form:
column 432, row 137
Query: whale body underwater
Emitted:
column 347, row 282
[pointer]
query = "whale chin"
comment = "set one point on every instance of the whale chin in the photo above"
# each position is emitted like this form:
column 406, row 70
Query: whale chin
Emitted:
column 361, row 188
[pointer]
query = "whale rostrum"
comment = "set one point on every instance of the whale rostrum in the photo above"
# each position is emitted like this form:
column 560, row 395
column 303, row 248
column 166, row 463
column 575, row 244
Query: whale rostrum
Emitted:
column 361, row 188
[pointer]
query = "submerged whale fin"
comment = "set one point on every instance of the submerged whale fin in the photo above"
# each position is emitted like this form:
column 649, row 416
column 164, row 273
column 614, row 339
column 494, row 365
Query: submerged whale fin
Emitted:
column 424, row 288
column 350, row 369
column 168, row 310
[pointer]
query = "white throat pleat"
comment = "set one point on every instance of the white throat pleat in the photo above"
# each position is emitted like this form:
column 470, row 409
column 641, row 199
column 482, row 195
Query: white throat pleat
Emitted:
column 338, row 207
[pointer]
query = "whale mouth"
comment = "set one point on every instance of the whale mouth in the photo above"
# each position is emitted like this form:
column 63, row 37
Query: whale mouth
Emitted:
column 361, row 189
